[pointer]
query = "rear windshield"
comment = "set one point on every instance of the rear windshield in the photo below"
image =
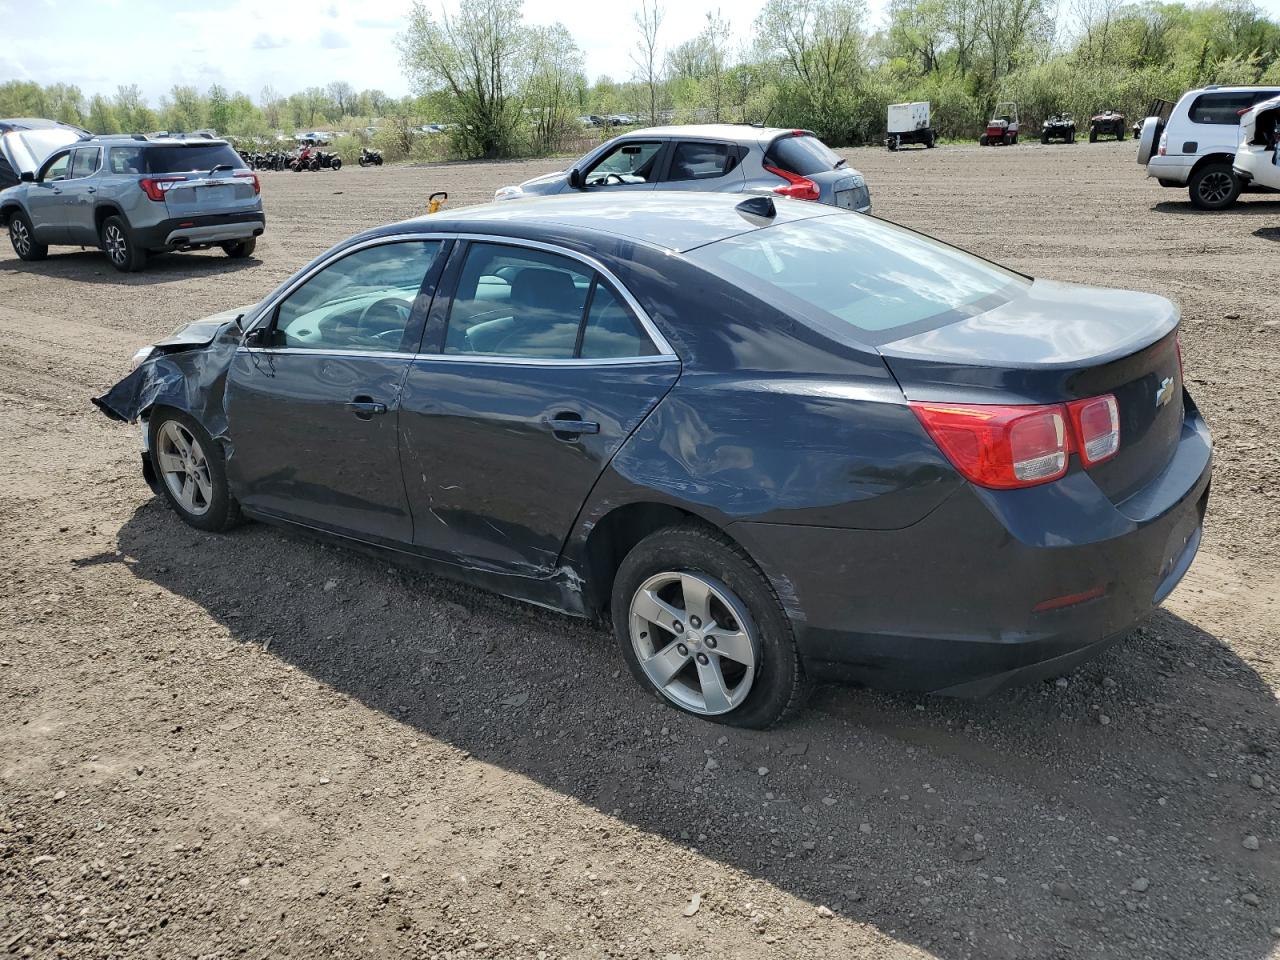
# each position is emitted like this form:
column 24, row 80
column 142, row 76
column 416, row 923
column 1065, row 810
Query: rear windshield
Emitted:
column 805, row 155
column 860, row 278
column 195, row 158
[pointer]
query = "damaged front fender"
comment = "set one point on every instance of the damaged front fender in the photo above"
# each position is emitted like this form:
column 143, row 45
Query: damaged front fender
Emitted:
column 187, row 371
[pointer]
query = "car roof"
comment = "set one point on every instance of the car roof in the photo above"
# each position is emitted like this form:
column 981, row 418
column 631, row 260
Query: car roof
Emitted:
column 675, row 222
column 142, row 140
column 737, row 132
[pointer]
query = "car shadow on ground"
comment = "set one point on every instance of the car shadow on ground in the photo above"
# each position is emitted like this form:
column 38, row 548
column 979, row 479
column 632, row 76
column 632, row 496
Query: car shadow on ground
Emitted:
column 91, row 266
column 1026, row 825
column 1267, row 233
column 1247, row 206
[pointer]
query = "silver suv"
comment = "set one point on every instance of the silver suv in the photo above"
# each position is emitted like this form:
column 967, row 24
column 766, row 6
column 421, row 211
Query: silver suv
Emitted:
column 134, row 195
column 721, row 157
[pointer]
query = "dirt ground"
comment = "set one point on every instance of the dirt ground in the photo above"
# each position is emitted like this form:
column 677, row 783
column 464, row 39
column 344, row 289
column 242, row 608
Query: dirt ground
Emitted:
column 252, row 745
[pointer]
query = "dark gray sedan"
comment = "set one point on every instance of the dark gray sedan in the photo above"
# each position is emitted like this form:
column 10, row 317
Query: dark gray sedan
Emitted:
column 724, row 157
column 769, row 441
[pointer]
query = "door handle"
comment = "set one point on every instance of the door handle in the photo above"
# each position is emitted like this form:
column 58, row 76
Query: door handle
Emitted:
column 57, row 191
column 567, row 426
column 90, row 189
column 366, row 407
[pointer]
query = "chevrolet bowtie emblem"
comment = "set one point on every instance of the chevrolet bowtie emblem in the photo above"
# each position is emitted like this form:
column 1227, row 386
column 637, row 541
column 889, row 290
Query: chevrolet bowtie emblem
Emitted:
column 1164, row 394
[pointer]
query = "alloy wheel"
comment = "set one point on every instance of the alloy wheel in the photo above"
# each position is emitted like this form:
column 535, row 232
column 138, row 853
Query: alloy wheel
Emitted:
column 694, row 641
column 20, row 236
column 184, row 467
column 1216, row 187
column 116, row 245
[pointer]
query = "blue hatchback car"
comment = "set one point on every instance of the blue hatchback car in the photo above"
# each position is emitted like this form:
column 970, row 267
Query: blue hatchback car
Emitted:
column 769, row 441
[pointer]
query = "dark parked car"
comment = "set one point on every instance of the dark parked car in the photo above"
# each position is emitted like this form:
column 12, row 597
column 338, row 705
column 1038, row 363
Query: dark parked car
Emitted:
column 770, row 441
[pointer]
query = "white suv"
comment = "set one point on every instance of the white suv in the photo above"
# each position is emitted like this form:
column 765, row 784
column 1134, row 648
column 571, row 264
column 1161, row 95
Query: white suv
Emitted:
column 1196, row 146
column 1257, row 160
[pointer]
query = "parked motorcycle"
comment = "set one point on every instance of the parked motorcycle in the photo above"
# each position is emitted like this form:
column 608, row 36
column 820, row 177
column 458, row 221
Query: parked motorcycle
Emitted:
column 329, row 161
column 306, row 159
column 368, row 157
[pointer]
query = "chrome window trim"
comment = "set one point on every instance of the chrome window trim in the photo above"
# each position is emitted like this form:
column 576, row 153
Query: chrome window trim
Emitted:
column 659, row 342
column 460, row 357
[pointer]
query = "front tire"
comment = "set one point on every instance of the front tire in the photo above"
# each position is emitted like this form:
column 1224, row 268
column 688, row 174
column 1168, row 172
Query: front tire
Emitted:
column 1214, row 187
column 337, row 163
column 702, row 629
column 240, row 249
column 23, row 237
column 117, row 243
column 189, row 467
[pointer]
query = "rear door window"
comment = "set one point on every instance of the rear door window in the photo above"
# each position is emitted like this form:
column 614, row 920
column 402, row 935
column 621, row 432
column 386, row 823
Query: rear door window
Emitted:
column 85, row 162
column 804, row 154
column 191, row 158
column 693, row 160
column 524, row 303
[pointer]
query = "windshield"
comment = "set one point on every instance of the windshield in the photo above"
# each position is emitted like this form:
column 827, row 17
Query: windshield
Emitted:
column 804, row 154
column 858, row 277
column 192, row 158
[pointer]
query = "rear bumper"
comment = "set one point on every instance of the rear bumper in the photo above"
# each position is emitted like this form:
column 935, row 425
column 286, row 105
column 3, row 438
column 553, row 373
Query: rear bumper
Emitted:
column 201, row 230
column 947, row 605
column 1255, row 168
column 1177, row 169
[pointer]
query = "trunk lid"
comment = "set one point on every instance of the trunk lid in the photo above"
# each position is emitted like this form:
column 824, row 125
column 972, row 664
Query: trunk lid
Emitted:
column 1056, row 342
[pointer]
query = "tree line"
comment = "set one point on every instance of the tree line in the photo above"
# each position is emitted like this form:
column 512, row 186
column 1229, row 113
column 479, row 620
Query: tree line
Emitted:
column 510, row 88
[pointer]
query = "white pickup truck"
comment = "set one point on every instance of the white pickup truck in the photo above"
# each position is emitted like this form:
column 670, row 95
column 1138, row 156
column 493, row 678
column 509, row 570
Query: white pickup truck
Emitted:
column 1196, row 146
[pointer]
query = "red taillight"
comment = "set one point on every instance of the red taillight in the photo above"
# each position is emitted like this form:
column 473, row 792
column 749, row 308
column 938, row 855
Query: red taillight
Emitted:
column 797, row 187
column 997, row 446
column 156, row 187
column 1006, row 447
column 1097, row 428
column 257, row 187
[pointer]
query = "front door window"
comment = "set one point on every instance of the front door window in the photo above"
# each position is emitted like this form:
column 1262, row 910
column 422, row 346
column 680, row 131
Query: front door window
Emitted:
column 627, row 164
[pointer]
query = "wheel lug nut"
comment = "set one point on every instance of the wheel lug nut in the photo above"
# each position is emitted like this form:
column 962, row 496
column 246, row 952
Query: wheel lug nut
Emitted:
column 682, row 649
column 696, row 622
column 702, row 659
column 711, row 643
column 679, row 627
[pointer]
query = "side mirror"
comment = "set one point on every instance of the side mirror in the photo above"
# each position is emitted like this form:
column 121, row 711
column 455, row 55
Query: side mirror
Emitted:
column 261, row 337
column 575, row 178
column 27, row 176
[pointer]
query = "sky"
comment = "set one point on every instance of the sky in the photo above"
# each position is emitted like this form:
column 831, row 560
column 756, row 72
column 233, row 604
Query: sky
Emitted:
column 292, row 44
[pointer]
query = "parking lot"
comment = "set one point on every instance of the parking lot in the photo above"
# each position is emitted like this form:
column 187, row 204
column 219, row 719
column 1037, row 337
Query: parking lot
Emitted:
column 254, row 745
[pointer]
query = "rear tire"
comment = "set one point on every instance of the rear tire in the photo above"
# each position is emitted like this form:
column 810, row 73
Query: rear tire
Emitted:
column 239, row 249
column 1214, row 187
column 983, row 140
column 190, row 471
column 337, row 163
column 23, row 237
column 1093, row 134
column 745, row 673
column 118, row 244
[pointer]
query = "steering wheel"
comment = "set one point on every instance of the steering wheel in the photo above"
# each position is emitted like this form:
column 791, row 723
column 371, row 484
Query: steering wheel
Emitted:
column 395, row 309
column 617, row 177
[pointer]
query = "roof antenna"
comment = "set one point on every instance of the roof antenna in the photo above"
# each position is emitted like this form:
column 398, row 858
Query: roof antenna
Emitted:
column 758, row 207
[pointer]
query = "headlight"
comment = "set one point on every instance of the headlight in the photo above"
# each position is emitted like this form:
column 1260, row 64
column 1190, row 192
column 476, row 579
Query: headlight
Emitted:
column 507, row 193
column 140, row 358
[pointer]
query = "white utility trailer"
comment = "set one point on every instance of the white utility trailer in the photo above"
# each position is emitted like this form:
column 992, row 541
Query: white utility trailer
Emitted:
column 909, row 123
